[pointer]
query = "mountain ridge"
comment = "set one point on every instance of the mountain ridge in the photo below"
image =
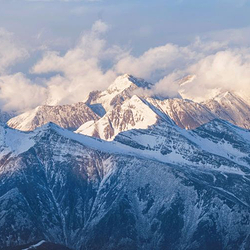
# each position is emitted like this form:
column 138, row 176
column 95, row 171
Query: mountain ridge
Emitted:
column 108, row 195
column 67, row 116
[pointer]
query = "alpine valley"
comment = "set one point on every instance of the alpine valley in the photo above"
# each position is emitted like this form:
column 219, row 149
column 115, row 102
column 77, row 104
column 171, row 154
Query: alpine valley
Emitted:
column 125, row 170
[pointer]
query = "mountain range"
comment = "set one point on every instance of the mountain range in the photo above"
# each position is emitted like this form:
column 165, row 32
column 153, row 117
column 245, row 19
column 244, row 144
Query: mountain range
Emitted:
column 125, row 105
column 136, row 172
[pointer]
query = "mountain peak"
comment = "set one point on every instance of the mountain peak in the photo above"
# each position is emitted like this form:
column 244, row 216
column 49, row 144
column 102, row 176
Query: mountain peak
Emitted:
column 127, row 81
column 50, row 125
column 186, row 79
column 226, row 95
column 230, row 107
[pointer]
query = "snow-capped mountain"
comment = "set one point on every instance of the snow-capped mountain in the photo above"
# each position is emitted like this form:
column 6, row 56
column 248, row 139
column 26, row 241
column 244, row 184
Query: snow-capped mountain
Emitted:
column 185, row 80
column 67, row 116
column 121, row 89
column 157, row 188
column 230, row 107
column 125, row 105
column 141, row 113
column 132, row 113
column 127, row 108
column 75, row 115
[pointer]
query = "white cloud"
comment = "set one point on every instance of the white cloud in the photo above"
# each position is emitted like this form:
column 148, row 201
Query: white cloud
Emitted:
column 160, row 61
column 17, row 93
column 155, row 62
column 227, row 70
column 80, row 69
column 167, row 87
column 239, row 37
column 165, row 65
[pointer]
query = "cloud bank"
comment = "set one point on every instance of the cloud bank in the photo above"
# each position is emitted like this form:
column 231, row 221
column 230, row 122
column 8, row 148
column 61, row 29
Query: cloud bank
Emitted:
column 92, row 64
column 227, row 70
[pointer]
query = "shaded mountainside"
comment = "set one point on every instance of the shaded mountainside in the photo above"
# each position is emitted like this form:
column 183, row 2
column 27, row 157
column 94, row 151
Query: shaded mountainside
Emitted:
column 157, row 188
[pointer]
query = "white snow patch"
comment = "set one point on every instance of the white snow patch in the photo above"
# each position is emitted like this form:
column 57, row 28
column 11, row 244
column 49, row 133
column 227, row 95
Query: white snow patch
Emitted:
column 36, row 245
column 15, row 141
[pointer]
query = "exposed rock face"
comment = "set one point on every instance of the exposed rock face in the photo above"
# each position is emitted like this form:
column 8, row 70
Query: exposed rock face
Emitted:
column 66, row 116
column 157, row 188
column 75, row 115
column 154, row 186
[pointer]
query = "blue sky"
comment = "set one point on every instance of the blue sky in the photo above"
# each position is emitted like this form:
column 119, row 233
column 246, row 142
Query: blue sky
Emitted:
column 137, row 24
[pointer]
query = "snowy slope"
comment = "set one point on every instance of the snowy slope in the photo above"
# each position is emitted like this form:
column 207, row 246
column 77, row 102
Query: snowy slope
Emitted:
column 125, row 111
column 136, row 112
column 67, row 116
column 154, row 186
